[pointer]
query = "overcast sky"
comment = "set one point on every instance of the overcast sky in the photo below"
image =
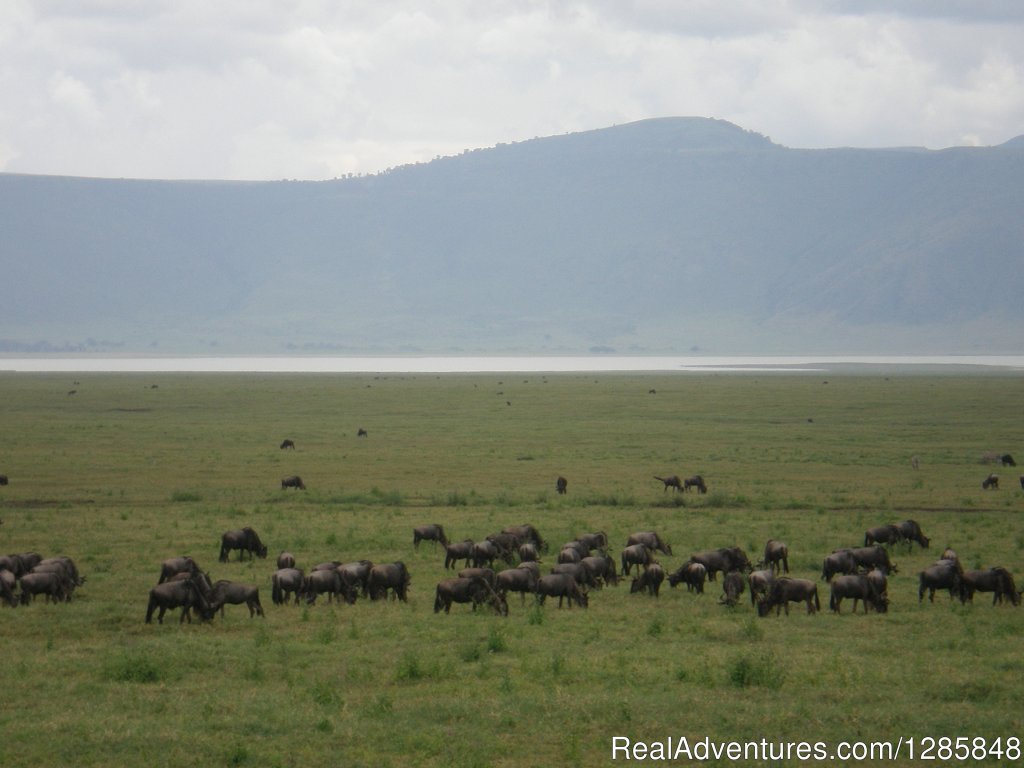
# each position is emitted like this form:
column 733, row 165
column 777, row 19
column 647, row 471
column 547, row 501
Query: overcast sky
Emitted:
column 270, row 89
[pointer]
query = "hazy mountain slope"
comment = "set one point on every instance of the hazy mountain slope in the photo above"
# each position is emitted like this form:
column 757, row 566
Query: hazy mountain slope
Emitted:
column 653, row 236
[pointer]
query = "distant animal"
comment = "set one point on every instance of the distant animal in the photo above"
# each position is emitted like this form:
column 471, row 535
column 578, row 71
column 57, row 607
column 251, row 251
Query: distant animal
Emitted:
column 236, row 593
column 184, row 594
column 945, row 574
column 733, row 585
column 4, row 480
column 724, row 559
column 857, row 587
column 997, row 580
column 1022, row 482
column 285, row 582
column 432, row 532
column 776, row 556
column 695, row 482
column 760, row 582
column 838, row 562
column 787, row 590
column 175, row 565
column 563, row 586
column 288, row 444
column 244, row 540
column 389, row 576
column 468, row 590
column 293, row 481
column 55, row 586
column 521, row 580
column 635, row 554
column 651, row 540
column 8, row 581
column 326, row 581
column 285, row 560
column 1007, row 460
column 486, row 574
column 915, row 462
column 594, row 540
column 561, row 484
column 875, row 556
column 691, row 574
column 362, row 433
column 527, row 533
column 601, row 568
column 992, row 481
column 648, row 581
column 671, row 482
column 910, row 532
column 460, row 550
column 882, row 534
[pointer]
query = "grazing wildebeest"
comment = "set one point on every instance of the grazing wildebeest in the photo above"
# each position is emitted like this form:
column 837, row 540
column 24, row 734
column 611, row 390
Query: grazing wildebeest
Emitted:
column 8, row 581
column 648, row 581
column 293, row 481
column 393, row 576
column 992, row 481
column 521, row 580
column 326, row 581
column 776, row 556
column 53, row 584
column 478, row 573
column 506, row 543
column 838, row 562
column 285, row 582
column 875, row 556
column 857, row 587
column 910, row 532
column 945, row 574
column 432, row 532
column 724, row 559
column 285, row 560
column 584, row 577
column 528, row 552
column 760, row 582
column 184, row 594
column 484, row 553
column 786, row 590
column 4, row 480
column 651, row 540
column 527, row 533
column 1007, row 460
column 601, row 568
column 561, row 484
column 362, row 433
column 574, row 551
column 635, row 554
column 173, row 565
column 460, row 550
column 64, row 567
column 696, row 481
column 356, row 574
column 691, row 574
column 244, row 540
column 468, row 590
column 562, row 586
column 882, row 534
column 288, row 444
column 997, row 580
column 672, row 481
column 594, row 540
column 236, row 593
column 733, row 585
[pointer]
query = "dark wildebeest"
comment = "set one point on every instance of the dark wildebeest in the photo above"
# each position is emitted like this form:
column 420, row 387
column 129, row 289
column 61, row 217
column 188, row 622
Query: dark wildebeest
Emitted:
column 992, row 481
column 432, row 532
column 55, row 585
column 696, row 481
column 760, row 582
column 460, row 550
column 356, row 574
column 594, row 540
column 362, row 433
column 572, row 552
column 285, row 560
column 285, row 582
column 733, row 585
column 776, row 556
column 288, row 444
column 601, row 568
column 724, row 559
column 184, row 594
column 788, row 590
column 838, row 562
column 635, row 554
column 484, row 553
column 691, row 574
column 648, row 581
column 1007, row 460
column 478, row 573
column 528, row 552
column 651, row 540
column 671, row 482
column 857, row 587
column 527, row 533
column 1022, row 482
column 393, row 576
column 561, row 484
column 945, row 574
column 4, row 480
column 293, row 481
column 245, row 540
column 236, row 593
column 65, row 568
column 562, row 586
column 584, row 577
column 174, row 565
column 8, row 581
column 468, row 590
column 882, row 534
column 910, row 532
column 997, row 580
column 872, row 557
column 326, row 581
column 521, row 580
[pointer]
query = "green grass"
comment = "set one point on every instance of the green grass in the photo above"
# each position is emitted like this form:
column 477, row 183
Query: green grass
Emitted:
column 122, row 476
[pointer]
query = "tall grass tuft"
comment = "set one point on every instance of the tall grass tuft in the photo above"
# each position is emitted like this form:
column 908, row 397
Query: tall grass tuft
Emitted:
column 759, row 670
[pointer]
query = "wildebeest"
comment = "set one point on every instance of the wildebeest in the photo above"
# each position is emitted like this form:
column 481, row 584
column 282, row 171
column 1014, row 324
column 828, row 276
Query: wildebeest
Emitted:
column 760, row 582
column 733, row 585
column 560, row 585
column 285, row 582
column 468, row 590
column 572, row 552
column 945, row 574
column 724, row 559
column 838, row 562
column 786, row 590
column 882, row 534
column 594, row 540
column 8, row 581
column 521, row 580
column 460, row 550
column 857, row 587
column 561, row 484
column 244, row 540
column 915, row 462
column 326, row 581
column 648, row 581
column 385, row 576
column 362, row 433
column 236, row 593
column 478, row 573
column 691, row 574
column 285, row 560
column 53, row 584
column 527, row 551
column 602, row 569
column 184, row 594
column 696, row 481
column 66, row 570
column 356, row 574
column 484, row 553
column 875, row 556
column 432, row 532
column 997, row 580
column 527, row 533
column 173, row 565
column 651, row 540
column 1007, row 460
column 578, row 571
column 776, row 556
column 288, row 444
column 910, row 532
column 292, row 481
column 4, row 480
column 635, row 554
column 992, row 481
column 672, row 481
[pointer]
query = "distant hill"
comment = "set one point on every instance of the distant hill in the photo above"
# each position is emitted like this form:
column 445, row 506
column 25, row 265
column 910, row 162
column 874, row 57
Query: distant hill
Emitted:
column 666, row 235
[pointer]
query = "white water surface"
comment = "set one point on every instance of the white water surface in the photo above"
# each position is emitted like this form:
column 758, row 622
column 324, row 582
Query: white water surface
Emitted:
column 506, row 364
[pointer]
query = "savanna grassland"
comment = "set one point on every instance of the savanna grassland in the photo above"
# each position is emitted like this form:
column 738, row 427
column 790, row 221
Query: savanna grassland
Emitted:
column 133, row 469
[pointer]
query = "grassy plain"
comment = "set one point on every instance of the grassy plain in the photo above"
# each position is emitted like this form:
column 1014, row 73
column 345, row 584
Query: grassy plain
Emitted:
column 133, row 469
